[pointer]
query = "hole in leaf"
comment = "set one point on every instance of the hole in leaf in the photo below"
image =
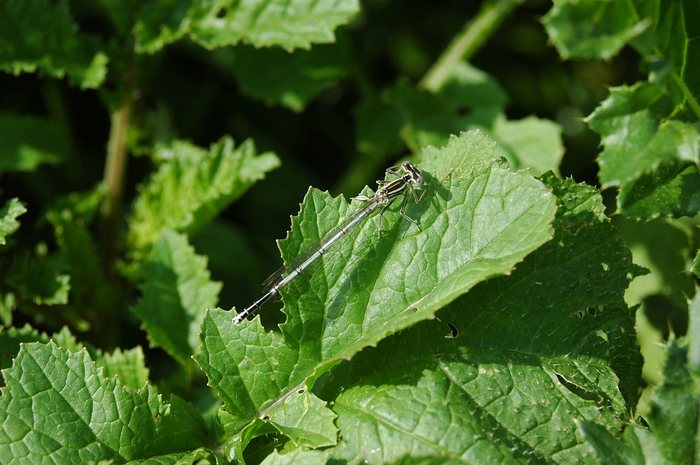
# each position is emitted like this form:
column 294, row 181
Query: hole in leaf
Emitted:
column 300, row 391
column 592, row 311
column 578, row 390
column 454, row 331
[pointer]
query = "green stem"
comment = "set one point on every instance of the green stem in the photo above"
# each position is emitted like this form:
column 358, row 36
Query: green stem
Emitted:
column 115, row 169
column 692, row 103
column 467, row 42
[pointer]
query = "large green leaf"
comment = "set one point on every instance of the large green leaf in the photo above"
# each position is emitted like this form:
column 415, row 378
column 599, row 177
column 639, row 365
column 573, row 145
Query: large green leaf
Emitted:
column 508, row 370
column 26, row 142
column 177, row 291
column 306, row 73
column 290, row 25
column 41, row 35
column 9, row 213
column 193, row 185
column 57, row 407
column 478, row 220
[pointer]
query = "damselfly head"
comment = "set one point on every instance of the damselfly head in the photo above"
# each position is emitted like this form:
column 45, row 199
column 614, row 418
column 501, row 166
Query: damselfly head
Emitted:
column 415, row 173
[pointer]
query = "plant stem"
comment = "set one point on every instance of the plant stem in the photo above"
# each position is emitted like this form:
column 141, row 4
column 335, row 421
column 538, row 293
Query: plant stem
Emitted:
column 115, row 168
column 467, row 42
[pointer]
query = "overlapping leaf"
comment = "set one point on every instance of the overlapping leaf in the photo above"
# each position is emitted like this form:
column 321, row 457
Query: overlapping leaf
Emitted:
column 57, row 407
column 192, row 186
column 9, row 213
column 509, row 369
column 290, row 25
column 177, row 291
column 468, row 99
column 306, row 73
column 26, row 142
column 673, row 414
column 40, row 35
column 478, row 220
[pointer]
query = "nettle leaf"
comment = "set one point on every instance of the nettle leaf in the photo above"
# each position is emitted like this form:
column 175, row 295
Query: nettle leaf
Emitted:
column 41, row 35
column 26, row 142
column 696, row 268
column 128, row 365
column 306, row 73
column 478, row 220
column 593, row 28
column 470, row 98
column 645, row 153
column 660, row 30
column 177, row 290
column 290, row 25
column 193, row 185
column 58, row 407
column 509, row 369
column 9, row 213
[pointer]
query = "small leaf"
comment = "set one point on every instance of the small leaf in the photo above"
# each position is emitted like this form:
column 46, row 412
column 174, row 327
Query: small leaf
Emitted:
column 478, row 220
column 305, row 419
column 192, row 186
column 297, row 456
column 177, row 290
column 27, row 142
column 9, row 213
column 696, row 267
column 41, row 35
column 530, row 142
column 57, row 407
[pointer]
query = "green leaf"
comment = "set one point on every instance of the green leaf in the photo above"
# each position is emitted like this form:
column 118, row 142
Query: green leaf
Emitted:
column 696, row 267
column 297, row 456
column 40, row 279
column 663, row 32
column 640, row 110
column 128, row 365
column 671, row 190
column 192, row 186
column 176, row 292
column 306, row 73
column 593, row 28
column 507, row 371
column 27, row 141
column 304, row 418
column 41, row 35
column 469, row 99
column 479, row 219
column 12, row 209
column 57, row 407
column 673, row 419
column 530, row 142
column 298, row 24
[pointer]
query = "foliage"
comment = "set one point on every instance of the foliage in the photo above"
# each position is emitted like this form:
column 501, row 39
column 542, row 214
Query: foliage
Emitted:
column 524, row 309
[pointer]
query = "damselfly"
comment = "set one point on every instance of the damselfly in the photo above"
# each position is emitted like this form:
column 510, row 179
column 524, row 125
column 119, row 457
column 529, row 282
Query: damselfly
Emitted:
column 409, row 180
